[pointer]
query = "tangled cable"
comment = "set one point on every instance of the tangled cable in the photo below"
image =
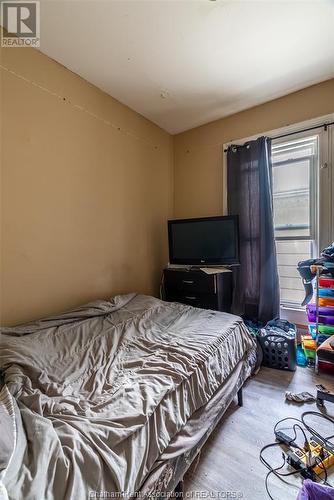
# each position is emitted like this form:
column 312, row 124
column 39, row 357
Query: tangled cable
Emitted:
column 301, row 426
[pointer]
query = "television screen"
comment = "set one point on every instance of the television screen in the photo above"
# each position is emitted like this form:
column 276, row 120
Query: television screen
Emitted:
column 209, row 240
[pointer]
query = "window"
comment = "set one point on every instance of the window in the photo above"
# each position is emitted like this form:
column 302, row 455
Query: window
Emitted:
column 295, row 167
column 303, row 198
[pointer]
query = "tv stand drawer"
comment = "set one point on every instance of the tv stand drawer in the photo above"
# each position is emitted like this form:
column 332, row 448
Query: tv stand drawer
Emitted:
column 195, row 281
column 198, row 289
column 202, row 300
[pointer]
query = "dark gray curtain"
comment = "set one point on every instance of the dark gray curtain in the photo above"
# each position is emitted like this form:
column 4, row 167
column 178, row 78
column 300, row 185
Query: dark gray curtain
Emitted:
column 249, row 195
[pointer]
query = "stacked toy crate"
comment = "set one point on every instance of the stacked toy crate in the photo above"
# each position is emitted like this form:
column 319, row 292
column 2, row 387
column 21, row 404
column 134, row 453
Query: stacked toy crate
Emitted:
column 320, row 317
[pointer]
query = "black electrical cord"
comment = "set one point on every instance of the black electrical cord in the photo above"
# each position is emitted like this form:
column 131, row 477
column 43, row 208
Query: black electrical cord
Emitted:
column 322, row 466
column 275, row 470
column 303, row 432
column 300, row 425
column 287, row 418
column 271, row 472
column 313, row 431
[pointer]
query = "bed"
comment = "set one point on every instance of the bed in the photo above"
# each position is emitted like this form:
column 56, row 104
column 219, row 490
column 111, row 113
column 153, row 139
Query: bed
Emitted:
column 116, row 396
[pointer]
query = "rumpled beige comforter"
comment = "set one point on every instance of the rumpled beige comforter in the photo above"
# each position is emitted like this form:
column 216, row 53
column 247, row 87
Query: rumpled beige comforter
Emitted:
column 103, row 389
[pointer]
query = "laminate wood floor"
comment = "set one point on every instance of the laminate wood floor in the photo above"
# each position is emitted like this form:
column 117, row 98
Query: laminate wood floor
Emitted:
column 229, row 465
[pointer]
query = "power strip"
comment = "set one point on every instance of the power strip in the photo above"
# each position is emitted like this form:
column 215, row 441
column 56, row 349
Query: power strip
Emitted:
column 311, row 461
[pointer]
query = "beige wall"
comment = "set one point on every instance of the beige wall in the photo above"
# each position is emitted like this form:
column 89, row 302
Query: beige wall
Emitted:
column 86, row 191
column 198, row 153
column 87, row 184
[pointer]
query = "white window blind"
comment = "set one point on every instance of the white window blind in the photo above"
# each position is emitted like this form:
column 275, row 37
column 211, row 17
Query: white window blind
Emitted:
column 295, row 195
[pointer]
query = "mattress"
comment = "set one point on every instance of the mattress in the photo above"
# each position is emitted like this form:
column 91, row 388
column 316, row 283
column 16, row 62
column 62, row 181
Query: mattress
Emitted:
column 103, row 390
column 186, row 446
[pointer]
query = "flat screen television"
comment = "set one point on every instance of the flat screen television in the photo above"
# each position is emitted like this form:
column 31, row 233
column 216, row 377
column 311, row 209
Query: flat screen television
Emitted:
column 208, row 240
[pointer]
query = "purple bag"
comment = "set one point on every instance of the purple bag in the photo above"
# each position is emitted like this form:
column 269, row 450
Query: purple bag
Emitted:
column 315, row 491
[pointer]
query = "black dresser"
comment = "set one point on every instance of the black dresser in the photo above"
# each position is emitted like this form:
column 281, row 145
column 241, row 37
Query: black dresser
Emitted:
column 198, row 289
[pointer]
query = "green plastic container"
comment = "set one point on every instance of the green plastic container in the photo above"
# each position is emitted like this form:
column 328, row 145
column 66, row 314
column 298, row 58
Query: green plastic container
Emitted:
column 309, row 353
column 328, row 330
column 325, row 329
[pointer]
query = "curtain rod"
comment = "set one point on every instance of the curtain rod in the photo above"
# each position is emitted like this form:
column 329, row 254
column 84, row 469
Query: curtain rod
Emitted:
column 325, row 125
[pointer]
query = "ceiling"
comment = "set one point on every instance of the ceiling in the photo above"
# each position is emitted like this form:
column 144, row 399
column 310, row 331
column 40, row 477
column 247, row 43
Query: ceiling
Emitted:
column 183, row 63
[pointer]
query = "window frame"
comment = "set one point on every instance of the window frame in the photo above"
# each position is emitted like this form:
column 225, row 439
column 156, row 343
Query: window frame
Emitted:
column 315, row 229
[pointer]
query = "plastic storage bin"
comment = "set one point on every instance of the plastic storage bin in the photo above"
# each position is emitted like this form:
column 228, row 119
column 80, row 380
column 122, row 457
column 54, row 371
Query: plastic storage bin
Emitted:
column 309, row 353
column 300, row 356
column 309, row 346
column 326, row 302
column 323, row 329
column 326, row 292
column 326, row 282
column 308, row 342
column 322, row 309
column 325, row 320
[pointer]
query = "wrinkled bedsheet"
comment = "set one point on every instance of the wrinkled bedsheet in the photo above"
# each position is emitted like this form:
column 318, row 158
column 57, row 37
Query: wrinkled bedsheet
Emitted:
column 102, row 390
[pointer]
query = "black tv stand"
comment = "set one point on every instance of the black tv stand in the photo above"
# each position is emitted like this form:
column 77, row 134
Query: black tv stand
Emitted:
column 194, row 287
